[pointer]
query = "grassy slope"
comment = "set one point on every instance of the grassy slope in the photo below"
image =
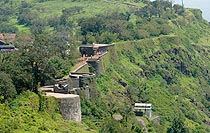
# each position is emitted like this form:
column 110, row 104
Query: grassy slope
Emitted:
column 53, row 9
column 23, row 115
column 145, row 65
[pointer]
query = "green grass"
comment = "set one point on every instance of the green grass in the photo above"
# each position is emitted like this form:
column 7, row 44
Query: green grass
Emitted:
column 23, row 29
column 85, row 69
column 169, row 100
column 23, row 115
column 90, row 8
column 53, row 9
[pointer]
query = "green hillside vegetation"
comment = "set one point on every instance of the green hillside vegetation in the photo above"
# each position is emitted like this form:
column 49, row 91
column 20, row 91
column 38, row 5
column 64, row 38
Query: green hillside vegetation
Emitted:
column 160, row 79
column 161, row 56
column 25, row 114
column 50, row 12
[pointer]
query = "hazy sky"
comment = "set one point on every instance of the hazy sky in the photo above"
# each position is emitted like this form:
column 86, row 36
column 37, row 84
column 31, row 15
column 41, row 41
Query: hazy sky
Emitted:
column 204, row 5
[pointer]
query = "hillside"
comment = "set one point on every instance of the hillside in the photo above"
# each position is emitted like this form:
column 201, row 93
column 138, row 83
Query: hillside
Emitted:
column 48, row 13
column 161, row 56
column 25, row 115
column 166, row 78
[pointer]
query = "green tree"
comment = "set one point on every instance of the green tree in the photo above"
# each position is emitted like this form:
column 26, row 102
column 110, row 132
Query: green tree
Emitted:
column 7, row 89
column 35, row 56
column 45, row 58
column 91, row 26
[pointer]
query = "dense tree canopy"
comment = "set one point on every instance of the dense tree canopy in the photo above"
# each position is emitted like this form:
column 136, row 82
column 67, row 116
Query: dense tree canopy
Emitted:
column 7, row 89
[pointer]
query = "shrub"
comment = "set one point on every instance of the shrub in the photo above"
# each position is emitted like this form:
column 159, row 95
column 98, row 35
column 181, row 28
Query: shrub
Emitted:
column 177, row 127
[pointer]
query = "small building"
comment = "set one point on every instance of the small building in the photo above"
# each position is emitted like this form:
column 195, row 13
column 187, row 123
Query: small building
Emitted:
column 76, row 83
column 78, row 79
column 6, row 48
column 80, row 83
column 143, row 108
column 95, row 49
column 5, row 40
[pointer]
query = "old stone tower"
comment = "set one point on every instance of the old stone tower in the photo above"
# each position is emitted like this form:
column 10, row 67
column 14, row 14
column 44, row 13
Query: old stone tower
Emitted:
column 69, row 105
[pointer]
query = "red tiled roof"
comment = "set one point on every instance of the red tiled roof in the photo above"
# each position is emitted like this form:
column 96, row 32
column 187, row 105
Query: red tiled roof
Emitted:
column 1, row 36
column 8, row 37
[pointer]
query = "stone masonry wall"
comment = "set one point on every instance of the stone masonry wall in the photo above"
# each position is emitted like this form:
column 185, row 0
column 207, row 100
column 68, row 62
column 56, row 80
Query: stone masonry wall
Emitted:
column 95, row 67
column 69, row 105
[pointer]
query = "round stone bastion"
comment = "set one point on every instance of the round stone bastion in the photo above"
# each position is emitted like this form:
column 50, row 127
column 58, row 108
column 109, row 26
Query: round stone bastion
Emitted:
column 69, row 105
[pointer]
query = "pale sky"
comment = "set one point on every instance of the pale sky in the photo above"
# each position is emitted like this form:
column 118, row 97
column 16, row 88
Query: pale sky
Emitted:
column 204, row 5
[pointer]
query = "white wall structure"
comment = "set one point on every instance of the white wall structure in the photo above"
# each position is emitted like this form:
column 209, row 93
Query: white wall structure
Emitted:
column 146, row 108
